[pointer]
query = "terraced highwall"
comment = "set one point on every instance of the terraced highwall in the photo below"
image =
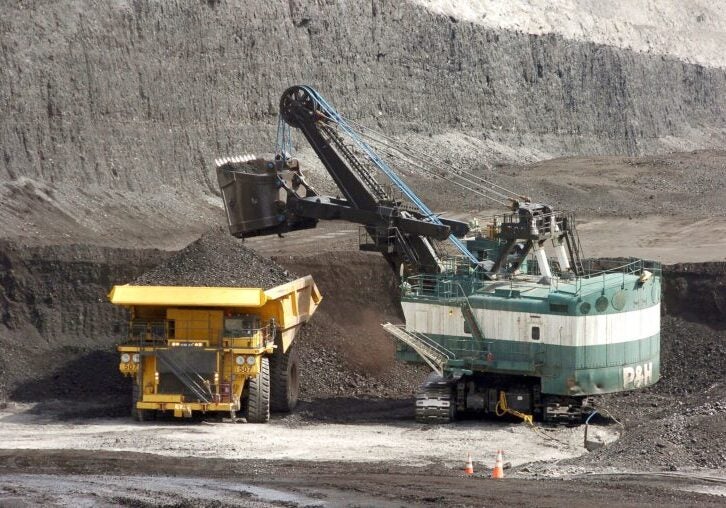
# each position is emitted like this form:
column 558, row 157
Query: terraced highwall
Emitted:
column 138, row 93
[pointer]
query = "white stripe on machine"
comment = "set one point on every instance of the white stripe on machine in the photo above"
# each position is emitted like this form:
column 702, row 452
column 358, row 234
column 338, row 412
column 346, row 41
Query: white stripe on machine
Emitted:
column 562, row 330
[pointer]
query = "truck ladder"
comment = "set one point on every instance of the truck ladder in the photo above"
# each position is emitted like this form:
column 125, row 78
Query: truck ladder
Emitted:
column 432, row 353
column 186, row 379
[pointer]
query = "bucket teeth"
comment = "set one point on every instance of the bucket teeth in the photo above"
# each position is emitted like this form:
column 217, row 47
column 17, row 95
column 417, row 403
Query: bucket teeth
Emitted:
column 239, row 159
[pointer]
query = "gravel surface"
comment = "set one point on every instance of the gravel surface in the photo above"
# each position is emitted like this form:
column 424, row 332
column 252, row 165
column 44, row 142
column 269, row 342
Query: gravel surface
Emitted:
column 292, row 438
column 102, row 477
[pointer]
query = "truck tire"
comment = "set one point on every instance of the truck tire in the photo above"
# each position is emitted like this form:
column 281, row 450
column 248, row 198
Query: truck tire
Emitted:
column 285, row 388
column 258, row 395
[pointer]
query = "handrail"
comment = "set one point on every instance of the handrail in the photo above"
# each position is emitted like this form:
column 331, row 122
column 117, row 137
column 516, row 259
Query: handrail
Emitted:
column 433, row 353
column 450, row 285
column 169, row 331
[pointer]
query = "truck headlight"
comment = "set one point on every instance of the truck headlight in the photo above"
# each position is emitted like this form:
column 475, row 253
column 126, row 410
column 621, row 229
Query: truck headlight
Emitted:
column 240, row 360
column 136, row 358
column 125, row 357
column 251, row 360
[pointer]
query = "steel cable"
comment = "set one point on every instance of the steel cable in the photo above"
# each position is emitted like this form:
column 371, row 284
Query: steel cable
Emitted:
column 334, row 116
column 397, row 145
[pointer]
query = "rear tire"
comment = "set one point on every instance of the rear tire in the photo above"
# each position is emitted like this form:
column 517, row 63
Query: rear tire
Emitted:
column 258, row 394
column 285, row 388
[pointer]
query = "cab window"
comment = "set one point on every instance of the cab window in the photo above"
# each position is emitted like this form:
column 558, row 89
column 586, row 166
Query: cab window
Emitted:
column 240, row 326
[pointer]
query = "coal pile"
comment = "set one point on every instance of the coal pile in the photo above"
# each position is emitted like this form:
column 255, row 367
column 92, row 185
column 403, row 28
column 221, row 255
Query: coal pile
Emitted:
column 328, row 369
column 344, row 351
column 216, row 259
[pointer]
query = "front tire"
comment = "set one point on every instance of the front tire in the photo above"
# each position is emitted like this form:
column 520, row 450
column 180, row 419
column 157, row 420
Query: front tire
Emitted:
column 258, row 394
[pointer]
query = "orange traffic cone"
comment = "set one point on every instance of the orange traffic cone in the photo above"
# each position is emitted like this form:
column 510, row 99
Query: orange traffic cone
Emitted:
column 469, row 469
column 498, row 471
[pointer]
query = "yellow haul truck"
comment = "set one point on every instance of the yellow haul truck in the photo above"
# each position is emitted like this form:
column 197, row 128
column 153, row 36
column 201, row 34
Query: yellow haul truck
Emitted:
column 214, row 348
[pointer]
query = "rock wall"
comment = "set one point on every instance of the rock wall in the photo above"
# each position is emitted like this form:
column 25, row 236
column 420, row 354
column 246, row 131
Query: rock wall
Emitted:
column 137, row 94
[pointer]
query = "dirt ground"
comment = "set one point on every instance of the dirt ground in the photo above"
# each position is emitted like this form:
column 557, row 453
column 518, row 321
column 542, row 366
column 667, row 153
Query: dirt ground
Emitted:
column 380, row 431
column 57, row 477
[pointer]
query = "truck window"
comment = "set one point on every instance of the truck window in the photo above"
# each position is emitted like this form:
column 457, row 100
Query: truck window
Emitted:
column 234, row 327
column 240, row 326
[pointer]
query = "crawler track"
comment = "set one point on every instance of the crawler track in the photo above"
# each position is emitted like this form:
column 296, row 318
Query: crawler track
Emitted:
column 435, row 401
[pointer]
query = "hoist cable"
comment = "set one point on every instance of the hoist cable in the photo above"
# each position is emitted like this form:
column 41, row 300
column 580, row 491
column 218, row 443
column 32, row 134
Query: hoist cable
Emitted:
column 334, row 116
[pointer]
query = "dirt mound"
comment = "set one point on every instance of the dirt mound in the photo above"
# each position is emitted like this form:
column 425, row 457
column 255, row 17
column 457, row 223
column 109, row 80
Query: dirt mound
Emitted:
column 332, row 368
column 216, row 259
